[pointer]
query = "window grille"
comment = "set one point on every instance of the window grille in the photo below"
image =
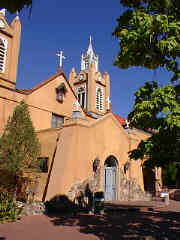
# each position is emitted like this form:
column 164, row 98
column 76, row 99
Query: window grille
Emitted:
column 99, row 99
column 3, row 49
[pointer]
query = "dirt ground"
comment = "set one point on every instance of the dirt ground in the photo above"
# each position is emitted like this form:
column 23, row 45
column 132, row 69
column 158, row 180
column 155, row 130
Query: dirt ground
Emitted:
column 137, row 220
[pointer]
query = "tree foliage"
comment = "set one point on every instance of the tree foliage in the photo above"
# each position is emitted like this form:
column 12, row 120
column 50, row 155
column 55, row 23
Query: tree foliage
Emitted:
column 19, row 146
column 149, row 36
column 15, row 5
column 157, row 110
column 149, row 33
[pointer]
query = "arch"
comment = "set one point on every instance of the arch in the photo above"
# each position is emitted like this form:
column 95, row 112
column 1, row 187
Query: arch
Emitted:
column 111, row 161
column 110, row 178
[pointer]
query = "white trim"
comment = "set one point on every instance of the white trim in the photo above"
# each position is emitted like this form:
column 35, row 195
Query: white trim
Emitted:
column 3, row 52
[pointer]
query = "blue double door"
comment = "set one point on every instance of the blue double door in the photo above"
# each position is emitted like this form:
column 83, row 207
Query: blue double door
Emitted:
column 110, row 183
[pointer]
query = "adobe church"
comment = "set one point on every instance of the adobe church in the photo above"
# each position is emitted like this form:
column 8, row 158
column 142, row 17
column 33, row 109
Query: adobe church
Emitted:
column 83, row 144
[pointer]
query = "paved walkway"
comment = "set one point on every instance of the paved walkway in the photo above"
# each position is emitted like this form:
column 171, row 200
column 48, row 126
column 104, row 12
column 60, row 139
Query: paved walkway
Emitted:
column 143, row 220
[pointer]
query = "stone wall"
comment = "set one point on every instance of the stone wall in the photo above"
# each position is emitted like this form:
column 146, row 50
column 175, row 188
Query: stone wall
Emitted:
column 130, row 190
column 35, row 208
column 85, row 187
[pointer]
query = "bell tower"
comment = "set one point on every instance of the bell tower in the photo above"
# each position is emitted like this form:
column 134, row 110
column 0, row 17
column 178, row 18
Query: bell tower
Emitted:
column 91, row 86
column 89, row 58
column 9, row 50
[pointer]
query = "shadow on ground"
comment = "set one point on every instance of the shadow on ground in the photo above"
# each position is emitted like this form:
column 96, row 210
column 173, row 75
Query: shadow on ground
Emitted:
column 126, row 224
column 132, row 221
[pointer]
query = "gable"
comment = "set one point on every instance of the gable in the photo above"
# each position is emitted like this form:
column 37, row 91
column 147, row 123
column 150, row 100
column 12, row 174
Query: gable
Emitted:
column 44, row 96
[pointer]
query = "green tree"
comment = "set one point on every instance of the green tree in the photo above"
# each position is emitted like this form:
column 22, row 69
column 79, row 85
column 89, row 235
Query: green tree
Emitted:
column 19, row 146
column 15, row 5
column 158, row 111
column 149, row 32
column 149, row 36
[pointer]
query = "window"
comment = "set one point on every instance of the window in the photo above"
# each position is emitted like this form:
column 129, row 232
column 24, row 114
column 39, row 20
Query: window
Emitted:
column 81, row 95
column 60, row 92
column 99, row 99
column 43, row 164
column 59, row 96
column 81, row 77
column 3, row 49
column 56, row 121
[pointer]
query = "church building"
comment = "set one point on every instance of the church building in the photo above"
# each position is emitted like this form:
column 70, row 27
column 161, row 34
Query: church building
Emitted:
column 83, row 144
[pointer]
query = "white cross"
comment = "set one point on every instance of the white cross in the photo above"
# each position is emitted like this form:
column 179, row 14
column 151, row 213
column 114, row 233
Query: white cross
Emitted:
column 108, row 103
column 61, row 57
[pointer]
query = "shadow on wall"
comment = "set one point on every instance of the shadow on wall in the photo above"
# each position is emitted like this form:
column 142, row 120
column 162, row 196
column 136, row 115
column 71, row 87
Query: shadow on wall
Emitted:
column 61, row 204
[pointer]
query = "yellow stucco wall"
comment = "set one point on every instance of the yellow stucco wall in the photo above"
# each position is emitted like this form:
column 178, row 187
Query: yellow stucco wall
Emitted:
column 80, row 143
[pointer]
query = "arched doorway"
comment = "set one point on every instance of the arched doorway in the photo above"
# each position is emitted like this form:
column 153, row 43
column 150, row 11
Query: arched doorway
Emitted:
column 149, row 179
column 110, row 178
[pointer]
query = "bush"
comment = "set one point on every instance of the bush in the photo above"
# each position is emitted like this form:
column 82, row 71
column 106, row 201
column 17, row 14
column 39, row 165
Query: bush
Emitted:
column 59, row 204
column 9, row 212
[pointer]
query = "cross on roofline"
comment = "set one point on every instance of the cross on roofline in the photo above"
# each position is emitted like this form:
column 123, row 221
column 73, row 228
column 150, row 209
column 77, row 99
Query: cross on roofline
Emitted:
column 61, row 57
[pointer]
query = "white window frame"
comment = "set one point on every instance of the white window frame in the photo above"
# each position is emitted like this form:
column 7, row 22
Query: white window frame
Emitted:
column 3, row 53
column 99, row 99
column 80, row 92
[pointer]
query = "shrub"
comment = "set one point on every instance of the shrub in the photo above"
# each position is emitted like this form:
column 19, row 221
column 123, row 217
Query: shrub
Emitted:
column 9, row 212
column 60, row 204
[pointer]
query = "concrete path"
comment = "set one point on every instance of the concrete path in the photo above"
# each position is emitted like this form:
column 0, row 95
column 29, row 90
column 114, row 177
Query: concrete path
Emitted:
column 159, row 222
column 41, row 227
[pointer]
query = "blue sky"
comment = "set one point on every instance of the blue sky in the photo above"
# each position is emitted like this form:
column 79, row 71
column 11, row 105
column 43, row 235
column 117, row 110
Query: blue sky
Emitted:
column 66, row 25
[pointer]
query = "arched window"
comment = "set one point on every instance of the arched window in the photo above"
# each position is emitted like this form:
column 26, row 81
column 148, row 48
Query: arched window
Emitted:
column 81, row 95
column 99, row 99
column 3, row 49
